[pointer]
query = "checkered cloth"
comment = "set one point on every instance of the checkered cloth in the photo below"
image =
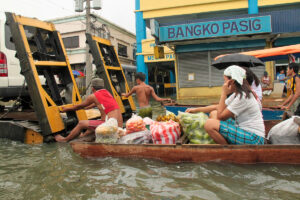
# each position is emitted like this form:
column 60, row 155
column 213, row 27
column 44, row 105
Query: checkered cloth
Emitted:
column 235, row 135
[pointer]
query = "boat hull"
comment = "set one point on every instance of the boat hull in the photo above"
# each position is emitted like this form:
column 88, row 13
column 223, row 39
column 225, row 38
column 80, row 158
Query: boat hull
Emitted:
column 241, row 154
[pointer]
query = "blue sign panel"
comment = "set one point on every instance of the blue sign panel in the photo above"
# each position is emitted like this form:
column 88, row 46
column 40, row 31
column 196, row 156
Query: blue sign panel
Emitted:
column 240, row 26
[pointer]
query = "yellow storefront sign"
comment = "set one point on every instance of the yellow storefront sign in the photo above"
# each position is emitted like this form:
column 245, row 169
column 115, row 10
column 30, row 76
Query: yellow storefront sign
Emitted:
column 151, row 58
column 148, row 52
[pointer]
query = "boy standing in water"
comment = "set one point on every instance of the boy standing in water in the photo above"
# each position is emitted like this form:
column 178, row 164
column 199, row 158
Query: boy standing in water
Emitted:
column 104, row 101
column 292, row 102
column 143, row 93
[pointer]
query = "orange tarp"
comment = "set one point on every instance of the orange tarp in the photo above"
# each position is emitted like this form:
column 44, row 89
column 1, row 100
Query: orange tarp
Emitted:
column 277, row 51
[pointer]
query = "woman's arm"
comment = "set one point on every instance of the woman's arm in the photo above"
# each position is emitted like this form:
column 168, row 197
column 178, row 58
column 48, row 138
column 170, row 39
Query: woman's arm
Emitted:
column 222, row 112
column 206, row 109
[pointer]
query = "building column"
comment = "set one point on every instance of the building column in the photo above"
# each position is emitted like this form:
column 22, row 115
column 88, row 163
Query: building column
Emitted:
column 252, row 7
column 140, row 35
column 270, row 65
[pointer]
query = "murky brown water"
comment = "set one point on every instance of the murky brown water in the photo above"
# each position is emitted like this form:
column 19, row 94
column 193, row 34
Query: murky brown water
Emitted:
column 53, row 171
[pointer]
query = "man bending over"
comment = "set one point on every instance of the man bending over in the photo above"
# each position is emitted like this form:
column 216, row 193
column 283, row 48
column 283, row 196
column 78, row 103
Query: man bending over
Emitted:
column 101, row 99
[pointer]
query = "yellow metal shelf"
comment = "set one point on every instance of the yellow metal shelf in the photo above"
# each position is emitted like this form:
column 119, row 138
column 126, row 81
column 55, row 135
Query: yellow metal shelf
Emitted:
column 50, row 63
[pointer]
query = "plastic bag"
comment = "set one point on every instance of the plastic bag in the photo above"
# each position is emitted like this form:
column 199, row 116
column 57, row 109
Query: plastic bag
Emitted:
column 193, row 127
column 165, row 132
column 285, row 132
column 148, row 121
column 107, row 132
column 135, row 124
column 141, row 137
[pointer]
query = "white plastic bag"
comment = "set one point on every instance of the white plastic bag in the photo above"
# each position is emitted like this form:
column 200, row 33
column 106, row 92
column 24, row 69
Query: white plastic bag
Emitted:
column 285, row 132
column 107, row 132
column 141, row 137
column 135, row 124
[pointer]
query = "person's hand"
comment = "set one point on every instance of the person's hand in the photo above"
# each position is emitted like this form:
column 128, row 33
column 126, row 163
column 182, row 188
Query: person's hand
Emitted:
column 82, row 135
column 226, row 87
column 284, row 108
column 63, row 109
column 190, row 110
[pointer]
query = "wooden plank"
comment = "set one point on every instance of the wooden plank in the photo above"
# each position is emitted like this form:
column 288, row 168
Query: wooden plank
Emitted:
column 31, row 116
column 242, row 154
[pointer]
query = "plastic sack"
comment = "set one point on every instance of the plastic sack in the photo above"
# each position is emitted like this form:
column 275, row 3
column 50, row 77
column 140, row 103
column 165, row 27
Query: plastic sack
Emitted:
column 148, row 121
column 165, row 132
column 193, row 127
column 107, row 132
column 135, row 124
column 141, row 137
column 285, row 132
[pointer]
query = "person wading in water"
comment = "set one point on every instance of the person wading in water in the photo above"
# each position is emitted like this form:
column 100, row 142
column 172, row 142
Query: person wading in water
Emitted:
column 143, row 93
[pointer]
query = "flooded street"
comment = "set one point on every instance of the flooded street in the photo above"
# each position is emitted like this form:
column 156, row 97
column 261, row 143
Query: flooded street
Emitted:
column 53, row 171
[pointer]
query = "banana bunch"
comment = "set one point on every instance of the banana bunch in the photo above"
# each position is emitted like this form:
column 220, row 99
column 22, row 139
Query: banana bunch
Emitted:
column 165, row 118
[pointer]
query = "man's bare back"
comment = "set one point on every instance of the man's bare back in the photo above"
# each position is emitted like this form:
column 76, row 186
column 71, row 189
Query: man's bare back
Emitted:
column 112, row 114
column 143, row 93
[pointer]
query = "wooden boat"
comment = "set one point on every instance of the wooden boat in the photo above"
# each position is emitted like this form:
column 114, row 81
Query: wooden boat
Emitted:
column 241, row 154
column 176, row 153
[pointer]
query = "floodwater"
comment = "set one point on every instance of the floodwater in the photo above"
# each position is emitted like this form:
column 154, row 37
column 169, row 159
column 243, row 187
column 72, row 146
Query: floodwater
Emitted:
column 54, row 171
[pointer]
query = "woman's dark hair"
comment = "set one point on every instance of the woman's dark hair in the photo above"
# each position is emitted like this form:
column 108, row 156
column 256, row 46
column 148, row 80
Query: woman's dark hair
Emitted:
column 239, row 89
column 295, row 67
column 250, row 76
column 140, row 76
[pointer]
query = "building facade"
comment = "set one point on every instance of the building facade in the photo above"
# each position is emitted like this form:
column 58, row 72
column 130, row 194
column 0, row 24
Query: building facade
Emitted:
column 72, row 30
column 200, row 30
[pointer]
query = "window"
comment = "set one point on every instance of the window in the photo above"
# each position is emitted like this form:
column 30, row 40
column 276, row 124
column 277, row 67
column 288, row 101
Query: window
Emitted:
column 122, row 50
column 8, row 44
column 71, row 42
column 134, row 53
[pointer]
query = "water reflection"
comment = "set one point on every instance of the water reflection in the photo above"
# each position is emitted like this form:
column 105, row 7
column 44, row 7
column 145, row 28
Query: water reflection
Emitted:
column 53, row 171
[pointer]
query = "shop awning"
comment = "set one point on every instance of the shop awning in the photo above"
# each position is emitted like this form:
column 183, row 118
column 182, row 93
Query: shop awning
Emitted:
column 278, row 53
column 131, row 68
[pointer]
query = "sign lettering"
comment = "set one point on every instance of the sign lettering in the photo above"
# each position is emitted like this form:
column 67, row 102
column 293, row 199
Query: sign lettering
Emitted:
column 241, row 26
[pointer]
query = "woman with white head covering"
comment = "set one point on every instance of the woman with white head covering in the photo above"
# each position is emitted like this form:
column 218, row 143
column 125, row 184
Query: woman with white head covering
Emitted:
column 241, row 105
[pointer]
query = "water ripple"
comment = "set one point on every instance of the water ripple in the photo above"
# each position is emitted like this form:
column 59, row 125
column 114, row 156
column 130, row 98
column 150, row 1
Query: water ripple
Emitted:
column 53, row 171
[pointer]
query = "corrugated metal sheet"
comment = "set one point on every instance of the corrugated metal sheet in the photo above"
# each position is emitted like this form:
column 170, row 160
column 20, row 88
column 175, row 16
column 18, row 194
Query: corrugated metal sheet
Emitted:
column 206, row 75
column 189, row 63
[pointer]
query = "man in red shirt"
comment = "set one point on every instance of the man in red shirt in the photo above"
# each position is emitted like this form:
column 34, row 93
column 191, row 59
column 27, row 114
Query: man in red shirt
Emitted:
column 101, row 99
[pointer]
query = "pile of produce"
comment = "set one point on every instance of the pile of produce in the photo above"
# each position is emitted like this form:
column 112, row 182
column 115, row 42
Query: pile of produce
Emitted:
column 165, row 118
column 135, row 124
column 193, row 127
column 107, row 132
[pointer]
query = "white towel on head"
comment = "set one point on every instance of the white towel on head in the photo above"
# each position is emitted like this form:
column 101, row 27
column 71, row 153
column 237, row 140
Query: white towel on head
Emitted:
column 236, row 73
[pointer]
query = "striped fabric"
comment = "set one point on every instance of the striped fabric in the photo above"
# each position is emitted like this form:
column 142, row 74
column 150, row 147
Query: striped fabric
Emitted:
column 235, row 135
column 165, row 132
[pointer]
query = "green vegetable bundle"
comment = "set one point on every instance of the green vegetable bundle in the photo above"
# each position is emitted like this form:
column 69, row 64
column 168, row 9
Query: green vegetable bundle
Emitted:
column 193, row 127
